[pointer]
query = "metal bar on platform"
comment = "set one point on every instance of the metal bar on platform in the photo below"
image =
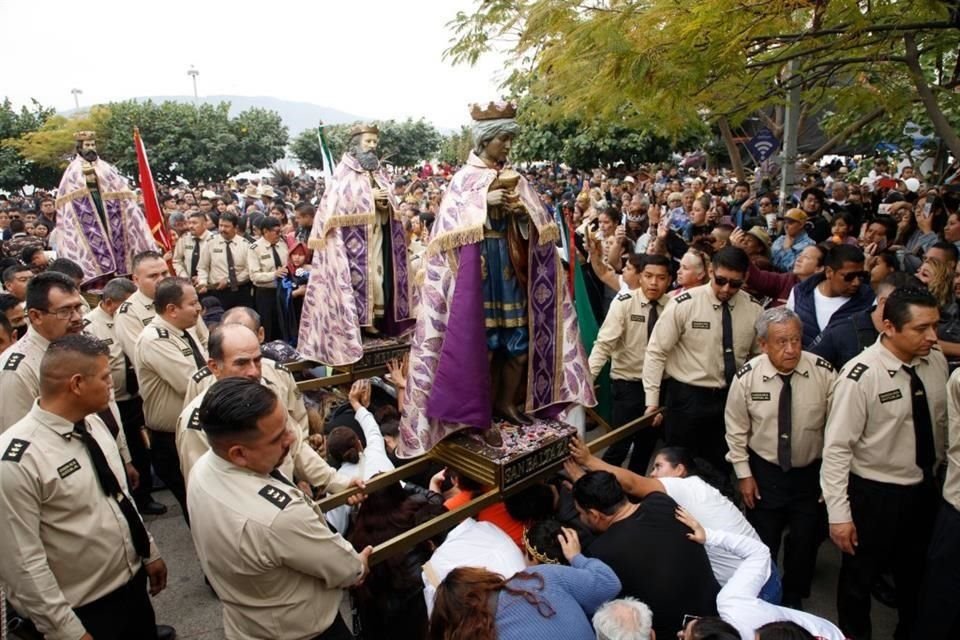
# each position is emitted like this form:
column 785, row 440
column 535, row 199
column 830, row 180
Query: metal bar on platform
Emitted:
column 375, row 483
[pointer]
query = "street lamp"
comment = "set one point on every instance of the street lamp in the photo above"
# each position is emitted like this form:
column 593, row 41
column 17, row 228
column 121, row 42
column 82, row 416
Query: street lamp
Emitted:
column 193, row 73
column 76, row 97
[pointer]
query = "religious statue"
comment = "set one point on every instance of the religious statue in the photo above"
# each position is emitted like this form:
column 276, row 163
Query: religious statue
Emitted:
column 359, row 281
column 101, row 228
column 496, row 321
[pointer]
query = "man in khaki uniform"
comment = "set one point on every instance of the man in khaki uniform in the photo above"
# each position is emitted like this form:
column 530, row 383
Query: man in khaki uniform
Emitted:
column 623, row 340
column 167, row 354
column 223, row 271
column 278, row 569
column 100, row 323
column 885, row 434
column 77, row 558
column 186, row 253
column 776, row 412
column 699, row 343
column 267, row 262
column 235, row 352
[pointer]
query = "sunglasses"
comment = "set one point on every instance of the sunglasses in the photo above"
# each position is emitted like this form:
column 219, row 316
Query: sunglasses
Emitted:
column 722, row 282
column 856, row 275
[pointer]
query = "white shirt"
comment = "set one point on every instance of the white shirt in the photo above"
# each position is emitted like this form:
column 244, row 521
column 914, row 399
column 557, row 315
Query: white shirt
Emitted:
column 714, row 511
column 373, row 460
column 737, row 602
column 471, row 544
column 824, row 306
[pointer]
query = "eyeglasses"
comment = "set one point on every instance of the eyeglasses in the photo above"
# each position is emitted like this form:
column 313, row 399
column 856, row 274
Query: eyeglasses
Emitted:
column 856, row 275
column 64, row 313
column 722, row 282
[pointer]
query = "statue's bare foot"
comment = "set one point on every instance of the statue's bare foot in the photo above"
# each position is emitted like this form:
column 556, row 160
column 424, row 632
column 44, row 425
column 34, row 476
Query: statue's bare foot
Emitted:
column 371, row 332
column 492, row 436
column 511, row 415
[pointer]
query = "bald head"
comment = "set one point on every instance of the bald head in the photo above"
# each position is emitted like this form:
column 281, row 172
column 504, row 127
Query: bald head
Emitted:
column 247, row 317
column 234, row 352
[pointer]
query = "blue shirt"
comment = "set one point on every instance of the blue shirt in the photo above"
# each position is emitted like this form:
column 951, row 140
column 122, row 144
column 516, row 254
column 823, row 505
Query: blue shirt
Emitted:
column 783, row 258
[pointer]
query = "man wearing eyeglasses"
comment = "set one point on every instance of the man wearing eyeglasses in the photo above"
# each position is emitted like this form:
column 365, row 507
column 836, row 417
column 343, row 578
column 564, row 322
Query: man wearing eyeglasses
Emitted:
column 55, row 309
column 840, row 291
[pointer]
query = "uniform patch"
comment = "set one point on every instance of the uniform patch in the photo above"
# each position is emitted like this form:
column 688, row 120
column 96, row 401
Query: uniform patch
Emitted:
column 857, row 371
column 624, row 296
column 201, row 374
column 162, row 333
column 742, row 371
column 14, row 361
column 700, row 324
column 187, row 352
column 274, row 496
column 125, row 307
column 823, row 363
column 86, row 322
column 15, row 450
column 280, row 367
column 890, row 396
column 107, row 341
column 683, row 297
column 760, row 396
column 147, row 321
column 194, row 422
column 216, row 250
column 68, row 468
column 636, row 317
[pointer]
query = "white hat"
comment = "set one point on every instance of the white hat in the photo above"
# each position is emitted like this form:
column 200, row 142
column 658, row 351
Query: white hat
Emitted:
column 912, row 184
column 630, row 179
column 208, row 194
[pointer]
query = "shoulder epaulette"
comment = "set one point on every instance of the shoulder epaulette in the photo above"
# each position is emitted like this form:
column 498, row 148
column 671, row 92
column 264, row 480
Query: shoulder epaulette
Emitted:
column 86, row 322
column 624, row 296
column 162, row 333
column 279, row 366
column 274, row 496
column 201, row 374
column 194, row 422
column 14, row 361
column 15, row 450
column 857, row 371
column 683, row 297
column 823, row 363
column 755, row 299
column 742, row 371
column 124, row 307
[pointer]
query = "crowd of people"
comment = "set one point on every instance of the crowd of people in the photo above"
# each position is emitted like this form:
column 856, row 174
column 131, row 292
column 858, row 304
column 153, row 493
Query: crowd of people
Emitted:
column 800, row 350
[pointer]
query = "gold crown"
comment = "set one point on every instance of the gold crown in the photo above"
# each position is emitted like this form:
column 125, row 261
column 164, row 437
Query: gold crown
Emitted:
column 358, row 129
column 81, row 136
column 493, row 111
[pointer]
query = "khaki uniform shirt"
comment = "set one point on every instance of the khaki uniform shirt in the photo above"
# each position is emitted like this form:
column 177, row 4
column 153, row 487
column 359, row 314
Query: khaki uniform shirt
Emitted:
column 278, row 569
column 951, row 488
column 101, row 325
column 687, row 343
column 66, row 542
column 136, row 313
column 183, row 253
column 263, row 273
column 213, row 261
column 753, row 405
column 870, row 425
column 164, row 363
column 20, row 377
column 623, row 336
column 303, row 463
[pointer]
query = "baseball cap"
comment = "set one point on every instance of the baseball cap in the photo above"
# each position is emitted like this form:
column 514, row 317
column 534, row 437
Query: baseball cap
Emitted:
column 796, row 214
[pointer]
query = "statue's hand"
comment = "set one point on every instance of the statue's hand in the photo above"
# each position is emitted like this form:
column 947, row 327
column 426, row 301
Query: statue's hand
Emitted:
column 496, row 197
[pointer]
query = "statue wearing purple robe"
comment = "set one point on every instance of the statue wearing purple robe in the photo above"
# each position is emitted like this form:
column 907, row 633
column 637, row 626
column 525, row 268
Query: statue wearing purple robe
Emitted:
column 100, row 226
column 493, row 291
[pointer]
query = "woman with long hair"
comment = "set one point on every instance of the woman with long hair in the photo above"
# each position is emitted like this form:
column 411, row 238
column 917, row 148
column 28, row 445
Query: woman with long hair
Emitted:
column 548, row 600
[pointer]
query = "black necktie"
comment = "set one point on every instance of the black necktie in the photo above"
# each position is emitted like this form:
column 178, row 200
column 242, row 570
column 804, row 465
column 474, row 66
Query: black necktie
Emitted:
column 276, row 475
column 111, row 487
column 133, row 385
column 922, row 423
column 197, row 355
column 729, row 359
column 276, row 256
column 231, row 269
column 652, row 318
column 195, row 258
column 785, row 424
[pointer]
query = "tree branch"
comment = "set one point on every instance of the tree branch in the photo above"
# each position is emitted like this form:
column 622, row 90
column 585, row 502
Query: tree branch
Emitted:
column 845, row 133
column 940, row 123
column 843, row 29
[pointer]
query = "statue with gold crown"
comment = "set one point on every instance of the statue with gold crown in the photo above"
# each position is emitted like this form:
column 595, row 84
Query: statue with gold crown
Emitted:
column 359, row 283
column 99, row 223
column 496, row 328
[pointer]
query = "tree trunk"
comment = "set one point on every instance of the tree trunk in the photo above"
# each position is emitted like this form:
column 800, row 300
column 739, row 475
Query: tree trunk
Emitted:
column 732, row 149
column 940, row 123
column 845, row 133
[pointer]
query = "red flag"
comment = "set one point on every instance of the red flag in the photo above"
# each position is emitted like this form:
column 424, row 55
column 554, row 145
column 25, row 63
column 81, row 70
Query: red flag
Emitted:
column 151, row 206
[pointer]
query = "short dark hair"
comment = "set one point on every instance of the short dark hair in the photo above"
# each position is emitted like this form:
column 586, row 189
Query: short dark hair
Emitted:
column 949, row 247
column 305, row 208
column 17, row 225
column 170, row 291
column 233, row 406
column 897, row 308
column 144, row 256
column 38, row 289
column 742, row 183
column 10, row 272
column 783, row 630
column 599, row 490
column 60, row 352
column 713, row 628
column 26, row 256
column 118, row 290
column 200, row 215
column 7, row 302
column 269, row 223
column 733, row 258
column 889, row 226
column 541, row 536
column 232, row 218
column 653, row 260
column 67, row 267
column 838, row 254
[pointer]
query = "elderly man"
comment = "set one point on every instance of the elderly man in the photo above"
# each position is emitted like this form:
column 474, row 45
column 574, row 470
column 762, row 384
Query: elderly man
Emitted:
column 359, row 279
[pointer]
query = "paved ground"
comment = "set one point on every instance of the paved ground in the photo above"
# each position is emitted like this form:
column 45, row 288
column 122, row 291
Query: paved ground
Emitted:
column 189, row 605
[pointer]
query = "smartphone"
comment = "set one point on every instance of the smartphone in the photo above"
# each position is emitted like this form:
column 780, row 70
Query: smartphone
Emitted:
column 883, row 209
column 927, row 209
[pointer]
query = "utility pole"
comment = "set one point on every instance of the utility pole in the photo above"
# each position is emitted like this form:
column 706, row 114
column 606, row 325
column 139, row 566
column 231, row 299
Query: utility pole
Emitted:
column 791, row 132
column 76, row 97
column 193, row 73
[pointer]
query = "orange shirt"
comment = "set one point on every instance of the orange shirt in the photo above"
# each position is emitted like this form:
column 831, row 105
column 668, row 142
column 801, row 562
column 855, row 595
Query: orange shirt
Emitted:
column 496, row 514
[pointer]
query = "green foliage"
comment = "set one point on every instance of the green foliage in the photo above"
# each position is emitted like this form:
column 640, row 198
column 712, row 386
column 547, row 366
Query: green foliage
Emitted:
column 15, row 170
column 306, row 149
column 456, row 147
column 402, row 144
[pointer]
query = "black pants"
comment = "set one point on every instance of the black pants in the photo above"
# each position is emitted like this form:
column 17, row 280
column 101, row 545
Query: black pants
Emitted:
column 163, row 451
column 230, row 299
column 939, row 616
column 629, row 403
column 894, row 524
column 122, row 614
column 131, row 417
column 790, row 500
column 337, row 631
column 695, row 420
column 265, row 302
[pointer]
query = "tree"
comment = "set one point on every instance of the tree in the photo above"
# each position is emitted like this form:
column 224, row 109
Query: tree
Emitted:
column 306, row 149
column 456, row 147
column 15, row 170
column 402, row 144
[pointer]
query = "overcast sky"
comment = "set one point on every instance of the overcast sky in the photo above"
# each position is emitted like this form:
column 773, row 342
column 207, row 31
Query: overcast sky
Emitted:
column 375, row 58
